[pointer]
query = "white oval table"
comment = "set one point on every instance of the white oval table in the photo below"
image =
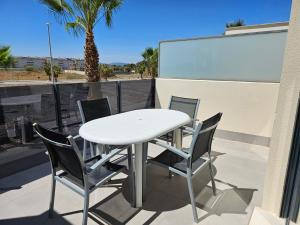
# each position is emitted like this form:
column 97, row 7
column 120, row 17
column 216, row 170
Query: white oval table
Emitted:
column 135, row 127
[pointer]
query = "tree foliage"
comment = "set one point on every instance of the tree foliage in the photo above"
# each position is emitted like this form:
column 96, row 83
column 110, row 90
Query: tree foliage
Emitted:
column 6, row 59
column 150, row 56
column 56, row 70
column 81, row 16
column 129, row 67
column 236, row 23
column 141, row 68
column 106, row 71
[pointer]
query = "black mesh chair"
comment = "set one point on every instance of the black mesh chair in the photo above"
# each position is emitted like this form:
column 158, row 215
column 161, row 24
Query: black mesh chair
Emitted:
column 91, row 110
column 188, row 162
column 189, row 106
column 68, row 167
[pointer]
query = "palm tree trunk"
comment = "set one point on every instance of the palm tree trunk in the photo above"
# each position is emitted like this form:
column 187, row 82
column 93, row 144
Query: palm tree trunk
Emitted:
column 149, row 69
column 91, row 58
column 154, row 72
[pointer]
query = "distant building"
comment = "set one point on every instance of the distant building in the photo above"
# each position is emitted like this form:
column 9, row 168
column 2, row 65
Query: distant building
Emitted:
column 282, row 26
column 38, row 62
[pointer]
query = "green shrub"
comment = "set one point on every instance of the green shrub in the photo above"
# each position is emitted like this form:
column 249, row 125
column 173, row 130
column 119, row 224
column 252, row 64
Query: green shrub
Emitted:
column 47, row 69
column 106, row 71
column 29, row 68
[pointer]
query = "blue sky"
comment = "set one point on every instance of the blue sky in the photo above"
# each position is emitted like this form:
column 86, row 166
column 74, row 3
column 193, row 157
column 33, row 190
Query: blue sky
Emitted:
column 138, row 24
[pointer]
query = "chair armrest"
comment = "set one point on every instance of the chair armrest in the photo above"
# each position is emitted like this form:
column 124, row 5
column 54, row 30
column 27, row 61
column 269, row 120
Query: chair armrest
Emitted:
column 195, row 120
column 107, row 157
column 76, row 137
column 98, row 157
column 188, row 129
column 171, row 148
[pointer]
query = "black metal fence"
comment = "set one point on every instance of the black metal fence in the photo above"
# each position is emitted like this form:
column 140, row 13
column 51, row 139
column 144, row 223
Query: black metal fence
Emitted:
column 55, row 106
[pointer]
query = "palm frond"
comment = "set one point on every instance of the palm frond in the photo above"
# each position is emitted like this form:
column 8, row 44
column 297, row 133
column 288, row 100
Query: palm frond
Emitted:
column 147, row 53
column 75, row 28
column 60, row 9
column 54, row 5
column 6, row 58
column 110, row 6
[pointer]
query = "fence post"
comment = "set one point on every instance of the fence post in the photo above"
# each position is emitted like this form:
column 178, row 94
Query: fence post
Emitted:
column 119, row 96
column 153, row 92
column 57, row 107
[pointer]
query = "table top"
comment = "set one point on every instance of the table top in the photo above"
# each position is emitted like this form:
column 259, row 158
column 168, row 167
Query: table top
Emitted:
column 133, row 127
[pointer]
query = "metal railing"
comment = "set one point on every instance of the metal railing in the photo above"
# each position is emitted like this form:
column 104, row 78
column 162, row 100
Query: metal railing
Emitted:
column 55, row 106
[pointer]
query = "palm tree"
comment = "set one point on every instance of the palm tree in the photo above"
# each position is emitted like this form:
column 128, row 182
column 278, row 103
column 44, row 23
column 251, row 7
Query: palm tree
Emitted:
column 147, row 54
column 6, row 59
column 140, row 68
column 106, row 71
column 81, row 16
column 236, row 23
column 150, row 56
column 154, row 62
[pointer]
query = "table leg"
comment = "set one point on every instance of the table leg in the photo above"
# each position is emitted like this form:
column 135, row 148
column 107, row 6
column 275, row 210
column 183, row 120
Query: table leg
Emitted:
column 131, row 176
column 99, row 149
column 178, row 138
column 145, row 154
column 138, row 150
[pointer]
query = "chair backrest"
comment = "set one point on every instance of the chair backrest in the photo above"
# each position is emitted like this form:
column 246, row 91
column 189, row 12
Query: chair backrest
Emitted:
column 187, row 105
column 94, row 109
column 203, row 136
column 63, row 154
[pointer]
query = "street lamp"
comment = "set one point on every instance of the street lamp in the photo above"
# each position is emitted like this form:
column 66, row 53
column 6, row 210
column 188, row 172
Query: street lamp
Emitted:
column 50, row 51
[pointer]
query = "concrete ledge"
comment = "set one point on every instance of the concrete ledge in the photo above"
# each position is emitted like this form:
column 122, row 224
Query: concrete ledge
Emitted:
column 242, row 137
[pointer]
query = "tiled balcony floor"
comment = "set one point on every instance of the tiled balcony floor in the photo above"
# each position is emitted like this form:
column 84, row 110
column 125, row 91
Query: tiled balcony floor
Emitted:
column 240, row 170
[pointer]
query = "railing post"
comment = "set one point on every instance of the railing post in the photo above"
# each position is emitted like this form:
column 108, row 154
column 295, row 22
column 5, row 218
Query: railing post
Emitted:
column 153, row 92
column 57, row 107
column 119, row 96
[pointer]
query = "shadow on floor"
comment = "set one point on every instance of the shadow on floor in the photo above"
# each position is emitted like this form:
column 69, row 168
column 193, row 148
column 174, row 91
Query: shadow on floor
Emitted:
column 164, row 194
column 16, row 181
column 16, row 157
column 229, row 201
column 41, row 219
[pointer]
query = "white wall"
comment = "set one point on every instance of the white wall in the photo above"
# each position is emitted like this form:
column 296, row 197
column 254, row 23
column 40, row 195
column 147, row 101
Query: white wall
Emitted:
column 248, row 107
column 255, row 30
column 285, row 119
column 247, row 57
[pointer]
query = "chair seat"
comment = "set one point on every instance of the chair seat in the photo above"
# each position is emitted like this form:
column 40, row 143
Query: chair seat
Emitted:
column 170, row 159
column 169, row 136
column 112, row 147
column 95, row 176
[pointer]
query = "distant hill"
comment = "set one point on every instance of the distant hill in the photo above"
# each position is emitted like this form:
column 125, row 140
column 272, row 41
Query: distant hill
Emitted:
column 118, row 64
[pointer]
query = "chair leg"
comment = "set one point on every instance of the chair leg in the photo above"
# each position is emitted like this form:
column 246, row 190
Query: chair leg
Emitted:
column 53, row 186
column 172, row 144
column 170, row 173
column 212, row 178
column 193, row 202
column 84, row 150
column 85, row 209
